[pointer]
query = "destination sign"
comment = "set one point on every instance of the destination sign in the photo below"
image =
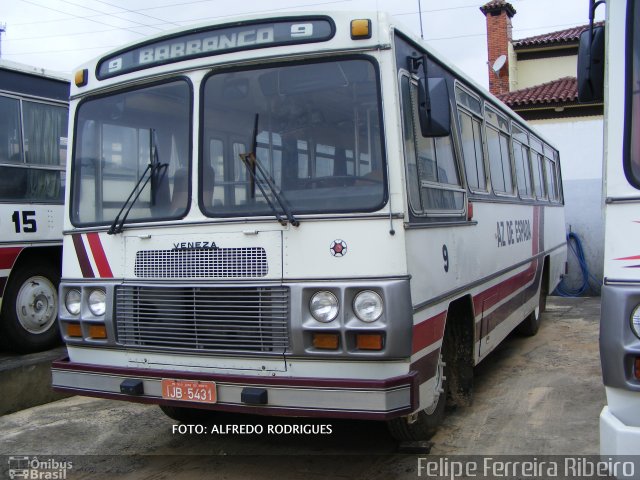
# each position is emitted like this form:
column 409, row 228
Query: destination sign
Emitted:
column 215, row 41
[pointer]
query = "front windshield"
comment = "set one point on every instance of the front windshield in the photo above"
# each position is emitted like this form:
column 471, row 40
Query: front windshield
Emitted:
column 116, row 138
column 318, row 137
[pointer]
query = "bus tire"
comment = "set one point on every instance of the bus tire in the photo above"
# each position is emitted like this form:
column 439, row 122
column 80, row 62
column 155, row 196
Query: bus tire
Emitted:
column 30, row 309
column 426, row 422
column 186, row 415
column 530, row 325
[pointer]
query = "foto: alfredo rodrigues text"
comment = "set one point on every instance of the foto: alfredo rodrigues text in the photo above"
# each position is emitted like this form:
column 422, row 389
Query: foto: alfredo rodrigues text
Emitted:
column 248, row 429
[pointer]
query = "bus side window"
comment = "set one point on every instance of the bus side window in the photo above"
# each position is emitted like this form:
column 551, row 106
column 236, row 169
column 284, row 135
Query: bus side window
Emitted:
column 497, row 129
column 470, row 116
column 537, row 167
column 438, row 178
column 520, row 142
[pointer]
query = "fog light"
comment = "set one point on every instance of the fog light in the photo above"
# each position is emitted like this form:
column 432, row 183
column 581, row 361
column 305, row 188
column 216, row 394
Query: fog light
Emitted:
column 98, row 331
column 369, row 341
column 326, row 341
column 637, row 369
column 74, row 330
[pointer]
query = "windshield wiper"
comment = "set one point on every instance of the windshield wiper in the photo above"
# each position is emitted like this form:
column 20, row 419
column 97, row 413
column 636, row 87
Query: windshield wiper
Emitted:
column 154, row 167
column 254, row 168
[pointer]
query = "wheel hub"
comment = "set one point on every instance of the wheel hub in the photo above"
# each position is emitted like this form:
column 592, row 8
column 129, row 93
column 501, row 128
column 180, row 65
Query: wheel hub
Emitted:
column 37, row 304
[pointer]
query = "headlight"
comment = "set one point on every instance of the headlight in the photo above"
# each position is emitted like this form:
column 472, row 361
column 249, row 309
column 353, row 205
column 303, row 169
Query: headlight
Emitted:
column 72, row 301
column 97, row 302
column 324, row 306
column 368, row 306
column 635, row 321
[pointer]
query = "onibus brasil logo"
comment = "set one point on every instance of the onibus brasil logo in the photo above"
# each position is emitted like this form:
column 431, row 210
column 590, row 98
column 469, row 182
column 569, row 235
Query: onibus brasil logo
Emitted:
column 33, row 468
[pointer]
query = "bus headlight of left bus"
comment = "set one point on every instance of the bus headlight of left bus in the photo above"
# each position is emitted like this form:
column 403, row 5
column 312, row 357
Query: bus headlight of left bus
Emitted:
column 635, row 321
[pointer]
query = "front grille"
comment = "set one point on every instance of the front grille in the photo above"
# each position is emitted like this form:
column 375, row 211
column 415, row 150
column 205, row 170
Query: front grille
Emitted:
column 202, row 263
column 203, row 319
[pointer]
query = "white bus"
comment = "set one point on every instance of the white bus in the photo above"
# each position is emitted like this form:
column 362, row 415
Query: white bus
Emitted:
column 620, row 302
column 33, row 152
column 282, row 216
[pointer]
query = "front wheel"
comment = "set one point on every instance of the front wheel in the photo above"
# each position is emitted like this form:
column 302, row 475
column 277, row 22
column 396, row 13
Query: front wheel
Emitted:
column 424, row 424
column 30, row 309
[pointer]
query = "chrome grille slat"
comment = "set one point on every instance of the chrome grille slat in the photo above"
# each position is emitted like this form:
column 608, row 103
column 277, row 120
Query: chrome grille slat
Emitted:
column 226, row 319
column 246, row 262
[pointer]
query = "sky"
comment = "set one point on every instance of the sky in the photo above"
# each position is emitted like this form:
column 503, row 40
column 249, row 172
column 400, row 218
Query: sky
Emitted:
column 60, row 35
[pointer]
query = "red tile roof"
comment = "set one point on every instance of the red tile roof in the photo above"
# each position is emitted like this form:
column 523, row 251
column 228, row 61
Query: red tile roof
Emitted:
column 563, row 90
column 561, row 37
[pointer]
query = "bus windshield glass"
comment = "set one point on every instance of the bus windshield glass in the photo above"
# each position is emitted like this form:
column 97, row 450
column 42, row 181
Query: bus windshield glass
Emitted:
column 314, row 130
column 117, row 137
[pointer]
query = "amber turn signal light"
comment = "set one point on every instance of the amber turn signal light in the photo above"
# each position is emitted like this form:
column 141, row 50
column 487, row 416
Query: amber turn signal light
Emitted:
column 369, row 341
column 326, row 341
column 74, row 330
column 98, row 331
column 81, row 77
column 637, row 368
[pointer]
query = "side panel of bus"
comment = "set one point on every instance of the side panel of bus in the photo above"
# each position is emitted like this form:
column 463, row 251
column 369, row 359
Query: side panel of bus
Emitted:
column 475, row 279
column 619, row 345
column 33, row 150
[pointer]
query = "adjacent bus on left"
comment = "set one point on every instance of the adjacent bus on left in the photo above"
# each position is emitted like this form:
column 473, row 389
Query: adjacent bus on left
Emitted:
column 33, row 151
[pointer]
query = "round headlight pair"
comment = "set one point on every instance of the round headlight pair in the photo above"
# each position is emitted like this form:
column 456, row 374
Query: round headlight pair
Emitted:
column 367, row 306
column 97, row 302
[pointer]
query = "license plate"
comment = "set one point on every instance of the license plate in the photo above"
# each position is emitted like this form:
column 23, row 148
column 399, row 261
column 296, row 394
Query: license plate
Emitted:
column 189, row 390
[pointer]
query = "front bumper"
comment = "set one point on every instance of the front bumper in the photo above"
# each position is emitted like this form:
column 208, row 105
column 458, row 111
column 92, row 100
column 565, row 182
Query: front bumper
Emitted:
column 616, row 438
column 287, row 396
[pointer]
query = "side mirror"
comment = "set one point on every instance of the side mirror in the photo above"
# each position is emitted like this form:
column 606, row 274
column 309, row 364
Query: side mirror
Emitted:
column 434, row 108
column 591, row 66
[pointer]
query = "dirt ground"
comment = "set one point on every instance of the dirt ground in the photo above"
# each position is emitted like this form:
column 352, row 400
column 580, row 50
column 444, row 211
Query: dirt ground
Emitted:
column 537, row 396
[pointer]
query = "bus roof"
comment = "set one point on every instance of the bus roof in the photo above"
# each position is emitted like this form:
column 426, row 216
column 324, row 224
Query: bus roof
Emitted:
column 32, row 70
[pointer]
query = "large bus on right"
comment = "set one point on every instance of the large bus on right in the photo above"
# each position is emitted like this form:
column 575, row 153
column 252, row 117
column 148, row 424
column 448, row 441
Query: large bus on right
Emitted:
column 609, row 70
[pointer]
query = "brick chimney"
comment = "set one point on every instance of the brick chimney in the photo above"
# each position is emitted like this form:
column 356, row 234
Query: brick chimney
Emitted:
column 498, row 13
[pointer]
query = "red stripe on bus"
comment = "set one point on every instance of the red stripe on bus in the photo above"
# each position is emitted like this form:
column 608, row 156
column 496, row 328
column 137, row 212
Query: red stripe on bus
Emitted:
column 99, row 256
column 493, row 295
column 83, row 258
column 431, row 330
column 635, row 257
column 8, row 256
column 428, row 332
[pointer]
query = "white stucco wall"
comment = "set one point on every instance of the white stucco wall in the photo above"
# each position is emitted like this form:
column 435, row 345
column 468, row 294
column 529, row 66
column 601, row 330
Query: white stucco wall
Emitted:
column 580, row 142
column 530, row 73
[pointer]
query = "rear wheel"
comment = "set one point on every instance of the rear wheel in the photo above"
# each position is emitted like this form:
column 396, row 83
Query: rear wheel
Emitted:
column 423, row 424
column 530, row 325
column 30, row 309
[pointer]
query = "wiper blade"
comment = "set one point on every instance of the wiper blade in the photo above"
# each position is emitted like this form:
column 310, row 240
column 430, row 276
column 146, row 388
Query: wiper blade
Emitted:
column 253, row 166
column 249, row 161
column 154, row 167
